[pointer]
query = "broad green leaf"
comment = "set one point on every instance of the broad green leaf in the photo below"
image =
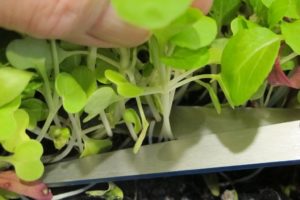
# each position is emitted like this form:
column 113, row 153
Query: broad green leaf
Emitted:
column 8, row 124
column 99, row 100
column 12, row 105
column 29, row 170
column 240, row 23
column 190, row 17
column 198, row 35
column 37, row 110
column 277, row 11
column 86, row 79
column 294, row 9
column 260, row 11
column 26, row 160
column 183, row 58
column 73, row 96
column 131, row 116
column 129, row 90
column 254, row 52
column 95, row 146
column 29, row 53
column 150, row 14
column 224, row 11
column 297, row 5
column 13, row 82
column 60, row 136
column 267, row 3
column 19, row 136
column 216, row 50
column 290, row 32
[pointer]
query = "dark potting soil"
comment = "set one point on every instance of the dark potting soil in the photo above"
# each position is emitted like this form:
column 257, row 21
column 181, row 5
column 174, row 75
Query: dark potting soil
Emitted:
column 279, row 183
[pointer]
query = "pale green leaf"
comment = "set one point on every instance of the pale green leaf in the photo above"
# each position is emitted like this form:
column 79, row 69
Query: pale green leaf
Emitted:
column 240, row 23
column 124, row 87
column 37, row 110
column 254, row 52
column 129, row 90
column 267, row 3
column 73, row 96
column 13, row 82
column 290, row 32
column 198, row 35
column 150, row 14
column 224, row 11
column 183, row 58
column 19, row 135
column 216, row 50
column 8, row 124
column 277, row 11
column 29, row 53
column 12, row 105
column 86, row 79
column 190, row 17
column 99, row 100
column 26, row 160
column 115, row 77
column 293, row 10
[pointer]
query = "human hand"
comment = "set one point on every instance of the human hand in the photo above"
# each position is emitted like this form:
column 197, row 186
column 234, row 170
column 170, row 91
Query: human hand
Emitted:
column 87, row 22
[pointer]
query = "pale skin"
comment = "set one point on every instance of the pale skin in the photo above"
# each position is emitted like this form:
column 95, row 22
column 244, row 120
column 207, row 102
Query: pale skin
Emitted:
column 86, row 22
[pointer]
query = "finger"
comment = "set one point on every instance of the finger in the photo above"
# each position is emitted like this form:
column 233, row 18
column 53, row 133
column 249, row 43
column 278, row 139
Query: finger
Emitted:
column 87, row 22
column 111, row 28
column 203, row 5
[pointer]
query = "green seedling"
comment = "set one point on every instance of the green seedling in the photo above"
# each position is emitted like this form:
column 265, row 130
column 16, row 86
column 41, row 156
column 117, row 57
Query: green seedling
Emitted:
column 95, row 146
column 60, row 136
column 73, row 96
column 79, row 97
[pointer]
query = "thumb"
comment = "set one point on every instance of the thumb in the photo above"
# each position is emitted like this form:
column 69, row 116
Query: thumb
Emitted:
column 203, row 5
column 86, row 22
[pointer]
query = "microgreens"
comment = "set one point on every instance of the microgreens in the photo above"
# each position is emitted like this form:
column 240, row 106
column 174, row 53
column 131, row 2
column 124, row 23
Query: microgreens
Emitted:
column 80, row 97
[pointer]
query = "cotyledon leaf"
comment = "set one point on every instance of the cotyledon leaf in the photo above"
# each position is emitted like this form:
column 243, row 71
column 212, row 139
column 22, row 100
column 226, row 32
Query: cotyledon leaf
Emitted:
column 73, row 96
column 13, row 82
column 99, row 100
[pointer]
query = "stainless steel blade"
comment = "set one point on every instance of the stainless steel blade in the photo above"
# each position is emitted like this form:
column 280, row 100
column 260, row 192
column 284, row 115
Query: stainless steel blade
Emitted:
column 207, row 142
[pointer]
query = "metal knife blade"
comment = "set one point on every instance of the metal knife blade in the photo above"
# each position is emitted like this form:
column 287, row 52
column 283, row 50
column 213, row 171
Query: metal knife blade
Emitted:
column 207, row 142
